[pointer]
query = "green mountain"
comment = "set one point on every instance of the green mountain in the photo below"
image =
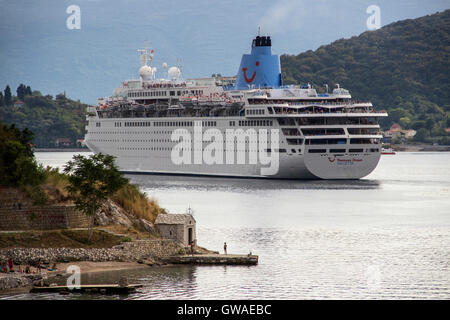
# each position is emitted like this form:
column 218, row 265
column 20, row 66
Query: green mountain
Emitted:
column 47, row 117
column 403, row 68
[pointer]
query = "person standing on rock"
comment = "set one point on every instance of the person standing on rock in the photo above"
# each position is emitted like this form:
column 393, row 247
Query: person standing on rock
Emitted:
column 11, row 265
column 192, row 248
column 225, row 247
column 5, row 267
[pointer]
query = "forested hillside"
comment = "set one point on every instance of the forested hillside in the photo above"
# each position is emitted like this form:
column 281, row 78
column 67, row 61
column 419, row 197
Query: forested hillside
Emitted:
column 47, row 117
column 403, row 67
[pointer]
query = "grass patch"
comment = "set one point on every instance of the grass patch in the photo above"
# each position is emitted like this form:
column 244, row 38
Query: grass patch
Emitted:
column 129, row 197
column 55, row 185
column 126, row 239
column 137, row 203
column 58, row 239
column 129, row 231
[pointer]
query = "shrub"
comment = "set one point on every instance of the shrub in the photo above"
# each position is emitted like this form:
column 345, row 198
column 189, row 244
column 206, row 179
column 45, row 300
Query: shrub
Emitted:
column 125, row 239
column 137, row 203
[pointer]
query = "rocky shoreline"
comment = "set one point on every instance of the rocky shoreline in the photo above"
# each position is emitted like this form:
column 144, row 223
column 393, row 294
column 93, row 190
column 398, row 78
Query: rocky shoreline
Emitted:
column 150, row 252
column 18, row 280
column 130, row 251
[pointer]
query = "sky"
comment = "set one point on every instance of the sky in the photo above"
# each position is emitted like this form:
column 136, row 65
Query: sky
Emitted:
column 38, row 49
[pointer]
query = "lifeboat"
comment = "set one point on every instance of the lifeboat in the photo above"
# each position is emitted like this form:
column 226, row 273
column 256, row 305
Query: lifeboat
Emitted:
column 387, row 151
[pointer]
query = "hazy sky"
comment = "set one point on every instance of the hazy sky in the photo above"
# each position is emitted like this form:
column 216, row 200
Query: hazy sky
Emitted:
column 38, row 49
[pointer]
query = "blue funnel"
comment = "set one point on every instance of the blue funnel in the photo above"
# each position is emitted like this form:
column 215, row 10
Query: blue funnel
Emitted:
column 260, row 68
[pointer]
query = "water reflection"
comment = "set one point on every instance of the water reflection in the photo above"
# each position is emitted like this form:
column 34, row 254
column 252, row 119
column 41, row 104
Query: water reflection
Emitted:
column 298, row 264
column 315, row 239
column 250, row 184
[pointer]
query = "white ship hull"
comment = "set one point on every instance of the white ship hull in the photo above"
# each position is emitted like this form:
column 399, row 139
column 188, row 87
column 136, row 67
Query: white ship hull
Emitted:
column 148, row 150
column 312, row 135
column 293, row 166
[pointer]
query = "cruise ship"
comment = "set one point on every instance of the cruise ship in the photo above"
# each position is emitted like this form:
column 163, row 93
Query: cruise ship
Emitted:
column 255, row 127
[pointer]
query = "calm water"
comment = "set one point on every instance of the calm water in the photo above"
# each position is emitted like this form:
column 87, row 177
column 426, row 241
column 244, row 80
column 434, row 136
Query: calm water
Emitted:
column 384, row 237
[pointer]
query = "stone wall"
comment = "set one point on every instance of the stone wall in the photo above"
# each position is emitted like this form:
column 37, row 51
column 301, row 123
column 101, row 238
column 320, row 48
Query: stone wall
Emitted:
column 45, row 218
column 152, row 250
column 18, row 213
column 11, row 198
column 171, row 231
column 177, row 232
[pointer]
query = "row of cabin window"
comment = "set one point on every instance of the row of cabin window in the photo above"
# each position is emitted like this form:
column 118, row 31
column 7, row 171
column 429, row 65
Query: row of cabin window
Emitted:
column 130, row 132
column 246, row 141
column 188, row 123
column 253, row 123
column 169, row 124
column 193, row 149
column 164, row 93
column 342, row 150
column 325, row 121
column 254, row 111
column 138, row 124
column 339, row 141
column 147, row 94
column 184, row 123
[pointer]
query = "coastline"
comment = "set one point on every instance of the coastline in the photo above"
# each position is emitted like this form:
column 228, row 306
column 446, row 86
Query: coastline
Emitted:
column 128, row 255
column 61, row 150
column 21, row 283
column 420, row 148
column 100, row 266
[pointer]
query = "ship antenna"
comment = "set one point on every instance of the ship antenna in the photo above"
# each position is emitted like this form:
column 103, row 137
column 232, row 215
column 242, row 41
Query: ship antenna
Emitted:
column 144, row 54
column 179, row 65
column 259, row 31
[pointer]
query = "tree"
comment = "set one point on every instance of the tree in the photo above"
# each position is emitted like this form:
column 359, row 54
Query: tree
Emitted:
column 91, row 181
column 429, row 123
column 18, row 167
column 404, row 122
column 8, row 97
column 2, row 100
column 28, row 91
column 422, row 135
column 21, row 91
column 48, row 119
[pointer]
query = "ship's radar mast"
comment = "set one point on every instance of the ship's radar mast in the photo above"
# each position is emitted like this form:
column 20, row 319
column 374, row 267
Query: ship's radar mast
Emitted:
column 145, row 57
column 164, row 65
column 179, row 65
column 146, row 72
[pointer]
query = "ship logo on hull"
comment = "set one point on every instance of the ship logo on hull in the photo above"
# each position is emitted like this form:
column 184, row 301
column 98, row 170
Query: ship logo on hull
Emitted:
column 244, row 72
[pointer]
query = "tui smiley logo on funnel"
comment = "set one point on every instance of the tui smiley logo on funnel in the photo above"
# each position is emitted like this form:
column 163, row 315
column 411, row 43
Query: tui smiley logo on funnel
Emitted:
column 244, row 72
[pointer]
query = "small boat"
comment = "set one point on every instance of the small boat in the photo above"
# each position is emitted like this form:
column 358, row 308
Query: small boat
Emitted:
column 90, row 288
column 387, row 151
